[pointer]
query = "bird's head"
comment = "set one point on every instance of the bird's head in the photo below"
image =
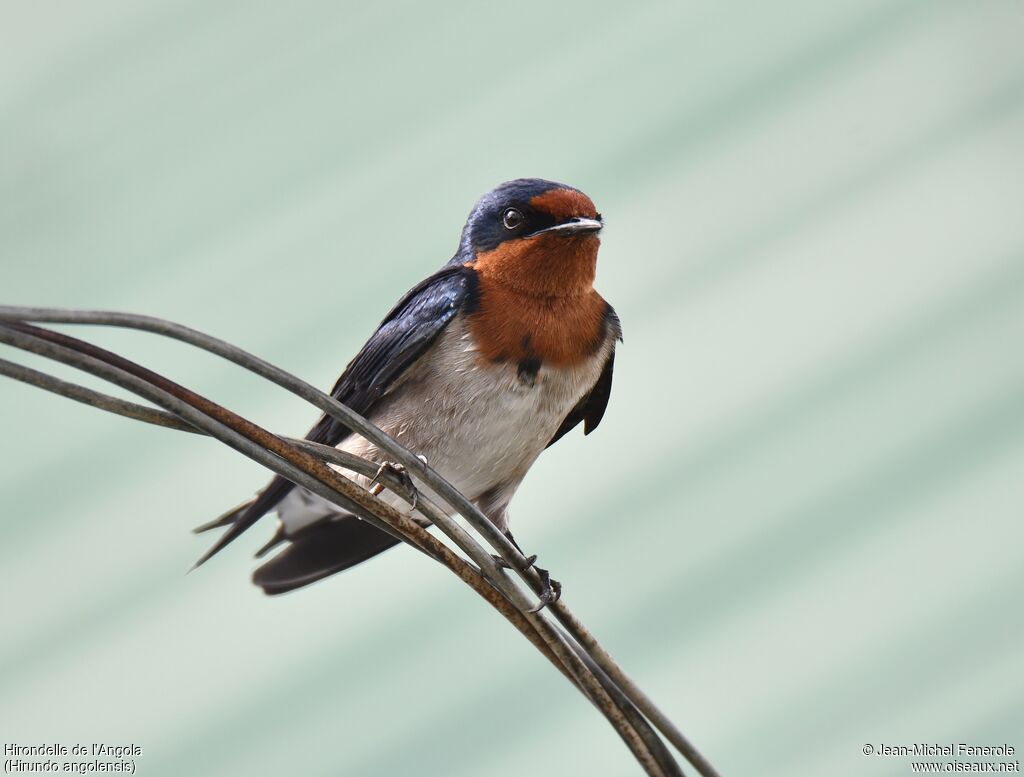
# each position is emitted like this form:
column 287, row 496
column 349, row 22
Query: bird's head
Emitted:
column 536, row 236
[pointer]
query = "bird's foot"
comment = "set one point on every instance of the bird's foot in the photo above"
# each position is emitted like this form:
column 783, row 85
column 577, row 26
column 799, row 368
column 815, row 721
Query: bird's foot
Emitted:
column 405, row 483
column 552, row 589
column 551, row 592
column 530, row 561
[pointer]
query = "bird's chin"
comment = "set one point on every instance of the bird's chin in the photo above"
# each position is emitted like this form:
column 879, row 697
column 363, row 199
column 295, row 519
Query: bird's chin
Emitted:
column 587, row 243
column 582, row 238
column 550, row 264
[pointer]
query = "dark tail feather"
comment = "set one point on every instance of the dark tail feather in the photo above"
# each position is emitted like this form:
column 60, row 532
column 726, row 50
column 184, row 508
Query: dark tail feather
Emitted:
column 320, row 551
column 242, row 517
column 273, row 542
column 225, row 519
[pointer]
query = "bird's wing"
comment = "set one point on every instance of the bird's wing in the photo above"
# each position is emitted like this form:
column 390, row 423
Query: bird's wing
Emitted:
column 402, row 338
column 590, row 409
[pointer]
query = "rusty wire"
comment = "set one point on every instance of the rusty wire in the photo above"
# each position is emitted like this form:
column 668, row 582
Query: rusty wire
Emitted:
column 576, row 654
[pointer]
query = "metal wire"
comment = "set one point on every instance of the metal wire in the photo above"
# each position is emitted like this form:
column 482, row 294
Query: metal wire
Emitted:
column 458, row 502
column 299, row 467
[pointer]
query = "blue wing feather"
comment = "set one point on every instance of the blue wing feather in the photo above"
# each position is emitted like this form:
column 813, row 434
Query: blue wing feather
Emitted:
column 590, row 409
column 402, row 337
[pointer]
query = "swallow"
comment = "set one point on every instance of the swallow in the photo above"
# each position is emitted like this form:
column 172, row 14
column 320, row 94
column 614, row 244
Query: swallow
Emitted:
column 477, row 369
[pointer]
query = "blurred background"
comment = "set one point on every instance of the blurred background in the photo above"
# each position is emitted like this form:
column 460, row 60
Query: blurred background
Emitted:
column 799, row 525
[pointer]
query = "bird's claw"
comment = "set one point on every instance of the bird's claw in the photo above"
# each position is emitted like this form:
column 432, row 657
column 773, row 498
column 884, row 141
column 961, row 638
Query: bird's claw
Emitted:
column 530, row 561
column 552, row 589
column 500, row 562
column 398, row 472
column 551, row 593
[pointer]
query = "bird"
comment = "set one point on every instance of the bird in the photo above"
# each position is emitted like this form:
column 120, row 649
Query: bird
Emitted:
column 478, row 369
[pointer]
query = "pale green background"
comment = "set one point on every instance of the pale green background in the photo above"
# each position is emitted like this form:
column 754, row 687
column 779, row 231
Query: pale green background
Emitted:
column 799, row 524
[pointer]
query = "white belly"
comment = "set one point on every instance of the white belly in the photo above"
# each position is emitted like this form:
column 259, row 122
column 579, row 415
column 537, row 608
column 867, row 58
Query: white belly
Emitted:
column 480, row 425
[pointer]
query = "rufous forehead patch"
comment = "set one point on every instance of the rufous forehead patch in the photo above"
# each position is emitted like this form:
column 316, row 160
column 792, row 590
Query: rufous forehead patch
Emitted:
column 564, row 204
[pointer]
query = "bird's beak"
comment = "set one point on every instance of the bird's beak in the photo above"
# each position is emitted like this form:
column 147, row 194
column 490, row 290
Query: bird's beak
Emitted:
column 578, row 226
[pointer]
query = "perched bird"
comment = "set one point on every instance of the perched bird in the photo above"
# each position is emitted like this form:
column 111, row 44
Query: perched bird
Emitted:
column 478, row 369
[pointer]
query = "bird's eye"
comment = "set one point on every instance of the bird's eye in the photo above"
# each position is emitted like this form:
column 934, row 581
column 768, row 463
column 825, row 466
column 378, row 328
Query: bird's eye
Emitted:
column 512, row 218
